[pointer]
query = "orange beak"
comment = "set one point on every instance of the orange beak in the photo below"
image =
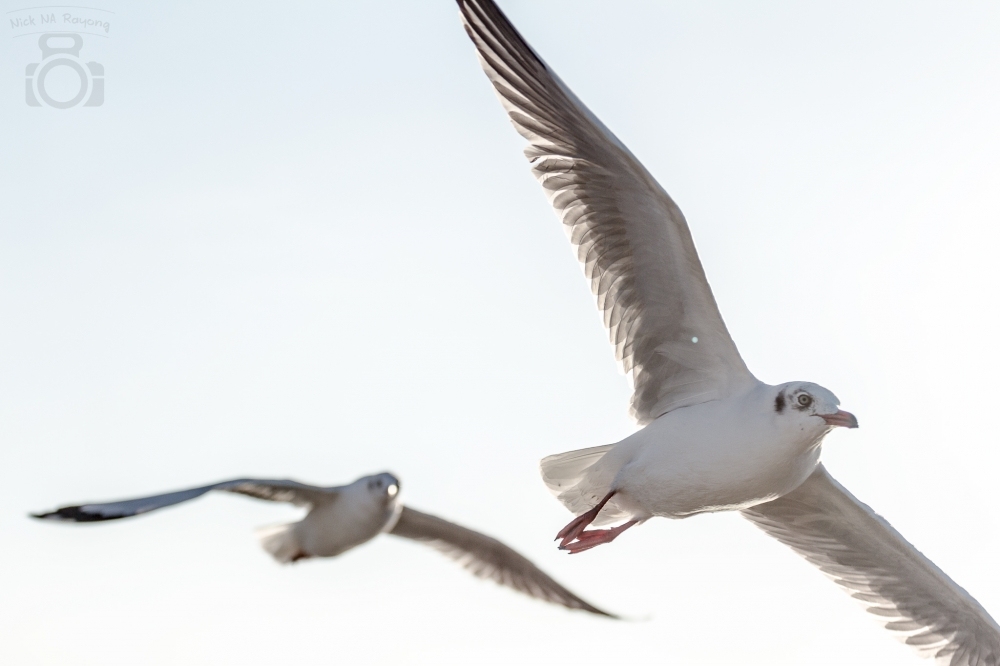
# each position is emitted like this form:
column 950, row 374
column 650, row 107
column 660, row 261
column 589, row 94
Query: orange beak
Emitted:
column 841, row 418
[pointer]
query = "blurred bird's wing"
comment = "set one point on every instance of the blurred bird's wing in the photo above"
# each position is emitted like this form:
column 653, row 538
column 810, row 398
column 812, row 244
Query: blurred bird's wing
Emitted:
column 487, row 558
column 293, row 492
column 863, row 554
column 629, row 235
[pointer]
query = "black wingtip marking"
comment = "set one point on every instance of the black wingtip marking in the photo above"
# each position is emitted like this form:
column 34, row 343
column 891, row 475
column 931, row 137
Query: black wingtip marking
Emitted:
column 597, row 611
column 779, row 402
column 74, row 514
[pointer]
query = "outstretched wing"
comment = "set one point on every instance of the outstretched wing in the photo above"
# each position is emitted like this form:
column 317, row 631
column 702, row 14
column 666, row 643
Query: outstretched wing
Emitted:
column 294, row 492
column 635, row 247
column 487, row 558
column 863, row 554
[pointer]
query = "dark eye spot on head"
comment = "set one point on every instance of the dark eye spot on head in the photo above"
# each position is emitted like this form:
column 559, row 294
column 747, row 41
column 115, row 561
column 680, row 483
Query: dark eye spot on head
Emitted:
column 779, row 402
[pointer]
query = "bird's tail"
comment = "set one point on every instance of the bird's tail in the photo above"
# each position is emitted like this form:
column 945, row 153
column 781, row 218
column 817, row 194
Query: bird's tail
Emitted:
column 282, row 542
column 578, row 480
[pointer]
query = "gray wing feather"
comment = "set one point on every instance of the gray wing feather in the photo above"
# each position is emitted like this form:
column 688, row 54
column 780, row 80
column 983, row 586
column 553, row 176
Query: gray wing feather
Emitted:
column 294, row 492
column 631, row 238
column 487, row 558
column 863, row 554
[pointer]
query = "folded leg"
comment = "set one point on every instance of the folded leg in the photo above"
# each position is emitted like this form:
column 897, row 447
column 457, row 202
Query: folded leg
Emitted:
column 579, row 524
column 588, row 539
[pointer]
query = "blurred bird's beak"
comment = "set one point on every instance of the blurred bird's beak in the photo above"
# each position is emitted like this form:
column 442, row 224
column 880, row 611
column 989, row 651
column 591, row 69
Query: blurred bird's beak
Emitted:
column 841, row 418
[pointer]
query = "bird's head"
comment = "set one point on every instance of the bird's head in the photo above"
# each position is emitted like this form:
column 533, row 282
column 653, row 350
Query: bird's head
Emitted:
column 384, row 487
column 811, row 404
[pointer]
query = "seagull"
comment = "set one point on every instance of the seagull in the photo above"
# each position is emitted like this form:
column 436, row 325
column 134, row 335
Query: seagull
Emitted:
column 714, row 437
column 343, row 517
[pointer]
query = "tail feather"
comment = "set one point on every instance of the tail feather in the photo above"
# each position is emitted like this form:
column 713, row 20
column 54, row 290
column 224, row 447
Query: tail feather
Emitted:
column 579, row 482
column 281, row 542
column 564, row 470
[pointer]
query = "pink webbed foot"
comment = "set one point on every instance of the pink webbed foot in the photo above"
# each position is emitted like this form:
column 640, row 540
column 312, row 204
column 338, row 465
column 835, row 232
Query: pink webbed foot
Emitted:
column 576, row 538
column 579, row 524
column 588, row 539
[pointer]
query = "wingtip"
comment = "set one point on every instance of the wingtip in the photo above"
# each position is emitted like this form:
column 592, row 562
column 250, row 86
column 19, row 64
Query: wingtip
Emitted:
column 599, row 612
column 72, row 514
column 59, row 515
column 616, row 616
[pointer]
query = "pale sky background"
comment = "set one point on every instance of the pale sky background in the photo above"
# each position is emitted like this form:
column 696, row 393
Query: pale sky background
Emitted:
column 302, row 241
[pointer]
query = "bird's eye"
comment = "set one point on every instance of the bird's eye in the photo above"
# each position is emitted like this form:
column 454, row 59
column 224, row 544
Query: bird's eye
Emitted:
column 805, row 400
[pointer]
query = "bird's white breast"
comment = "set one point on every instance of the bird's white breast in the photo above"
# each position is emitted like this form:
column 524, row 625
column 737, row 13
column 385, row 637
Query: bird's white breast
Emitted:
column 353, row 518
column 720, row 455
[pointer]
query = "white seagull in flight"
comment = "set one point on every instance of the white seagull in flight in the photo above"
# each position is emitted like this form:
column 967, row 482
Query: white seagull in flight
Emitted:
column 715, row 437
column 342, row 517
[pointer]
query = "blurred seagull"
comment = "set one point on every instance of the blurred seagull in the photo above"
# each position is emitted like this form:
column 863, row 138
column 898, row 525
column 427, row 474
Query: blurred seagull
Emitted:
column 342, row 517
column 715, row 437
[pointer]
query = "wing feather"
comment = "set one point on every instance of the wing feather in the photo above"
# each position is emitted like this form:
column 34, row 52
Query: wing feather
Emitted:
column 631, row 239
column 869, row 559
column 486, row 557
column 273, row 490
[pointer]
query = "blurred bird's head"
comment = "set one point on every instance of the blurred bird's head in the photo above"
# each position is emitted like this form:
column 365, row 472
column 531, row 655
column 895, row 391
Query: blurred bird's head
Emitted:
column 384, row 487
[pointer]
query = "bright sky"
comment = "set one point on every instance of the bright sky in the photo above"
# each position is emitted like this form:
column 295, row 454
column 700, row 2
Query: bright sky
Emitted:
column 304, row 243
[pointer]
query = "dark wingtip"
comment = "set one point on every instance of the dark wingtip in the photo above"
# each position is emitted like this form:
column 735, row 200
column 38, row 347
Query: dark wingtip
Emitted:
column 598, row 611
column 584, row 606
column 74, row 514
column 58, row 514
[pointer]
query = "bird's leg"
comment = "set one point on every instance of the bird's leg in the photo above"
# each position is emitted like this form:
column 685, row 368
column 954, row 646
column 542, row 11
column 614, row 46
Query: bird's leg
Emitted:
column 591, row 538
column 579, row 524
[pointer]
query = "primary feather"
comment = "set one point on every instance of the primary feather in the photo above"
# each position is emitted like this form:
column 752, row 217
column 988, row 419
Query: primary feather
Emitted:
column 273, row 490
column 629, row 235
column 863, row 554
column 487, row 557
